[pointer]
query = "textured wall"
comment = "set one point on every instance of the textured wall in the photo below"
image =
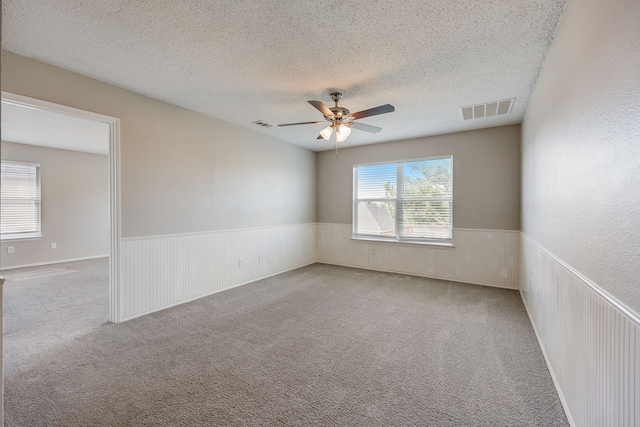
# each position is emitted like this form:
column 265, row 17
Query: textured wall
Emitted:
column 581, row 150
column 75, row 206
column 181, row 171
column 486, row 175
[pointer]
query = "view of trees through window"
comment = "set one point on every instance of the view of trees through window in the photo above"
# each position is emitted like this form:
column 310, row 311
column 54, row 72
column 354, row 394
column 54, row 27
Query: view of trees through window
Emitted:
column 411, row 200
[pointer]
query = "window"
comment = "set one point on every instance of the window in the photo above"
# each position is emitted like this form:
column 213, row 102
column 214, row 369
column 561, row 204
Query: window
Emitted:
column 19, row 200
column 406, row 201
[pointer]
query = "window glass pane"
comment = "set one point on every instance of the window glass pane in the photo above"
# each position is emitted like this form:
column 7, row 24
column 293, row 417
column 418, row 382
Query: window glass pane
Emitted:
column 19, row 216
column 376, row 181
column 376, row 218
column 427, row 178
column 426, row 219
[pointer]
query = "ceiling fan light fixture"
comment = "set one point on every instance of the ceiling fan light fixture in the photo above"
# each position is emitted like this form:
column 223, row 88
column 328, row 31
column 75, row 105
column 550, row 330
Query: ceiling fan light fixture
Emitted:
column 342, row 133
column 326, row 132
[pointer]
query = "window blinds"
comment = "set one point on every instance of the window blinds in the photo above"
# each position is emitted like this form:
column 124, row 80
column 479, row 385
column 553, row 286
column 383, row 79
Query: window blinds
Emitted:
column 19, row 200
column 411, row 200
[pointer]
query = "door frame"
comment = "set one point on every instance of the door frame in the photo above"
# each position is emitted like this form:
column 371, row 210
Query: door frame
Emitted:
column 114, row 185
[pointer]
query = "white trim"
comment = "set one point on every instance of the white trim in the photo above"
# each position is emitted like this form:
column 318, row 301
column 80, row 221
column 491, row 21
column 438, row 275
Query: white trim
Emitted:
column 488, row 230
column 626, row 311
column 16, row 238
column 448, row 244
column 39, row 104
column 37, row 264
column 198, row 233
column 114, row 184
column 115, row 303
column 212, row 293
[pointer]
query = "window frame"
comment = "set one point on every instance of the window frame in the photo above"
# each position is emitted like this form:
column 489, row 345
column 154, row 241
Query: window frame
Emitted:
column 398, row 238
column 31, row 235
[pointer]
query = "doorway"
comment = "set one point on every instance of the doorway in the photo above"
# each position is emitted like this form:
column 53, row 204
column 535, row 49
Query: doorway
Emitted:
column 112, row 129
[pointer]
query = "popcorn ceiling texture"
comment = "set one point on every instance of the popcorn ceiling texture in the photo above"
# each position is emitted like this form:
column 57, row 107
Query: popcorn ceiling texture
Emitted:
column 245, row 60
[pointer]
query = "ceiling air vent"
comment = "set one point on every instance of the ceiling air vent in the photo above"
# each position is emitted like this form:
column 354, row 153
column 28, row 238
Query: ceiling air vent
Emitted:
column 495, row 108
column 262, row 123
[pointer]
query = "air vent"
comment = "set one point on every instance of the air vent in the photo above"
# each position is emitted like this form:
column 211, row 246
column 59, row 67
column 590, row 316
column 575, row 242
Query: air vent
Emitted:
column 262, row 123
column 494, row 108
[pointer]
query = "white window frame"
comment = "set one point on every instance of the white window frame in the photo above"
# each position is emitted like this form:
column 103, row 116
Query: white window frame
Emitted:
column 398, row 238
column 37, row 234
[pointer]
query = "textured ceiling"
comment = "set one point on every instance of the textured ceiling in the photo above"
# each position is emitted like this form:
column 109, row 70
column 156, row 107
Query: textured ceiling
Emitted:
column 247, row 60
column 33, row 126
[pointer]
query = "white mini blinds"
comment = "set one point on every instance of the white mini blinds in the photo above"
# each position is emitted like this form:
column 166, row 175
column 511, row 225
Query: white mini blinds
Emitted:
column 19, row 200
column 406, row 201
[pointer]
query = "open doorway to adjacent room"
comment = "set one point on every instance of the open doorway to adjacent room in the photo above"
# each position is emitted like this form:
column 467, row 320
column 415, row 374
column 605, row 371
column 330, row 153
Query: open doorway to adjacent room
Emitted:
column 60, row 222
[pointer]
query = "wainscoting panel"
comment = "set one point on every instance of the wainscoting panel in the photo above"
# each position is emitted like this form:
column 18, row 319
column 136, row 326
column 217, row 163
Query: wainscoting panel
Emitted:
column 335, row 246
column 159, row 272
column 486, row 257
column 590, row 340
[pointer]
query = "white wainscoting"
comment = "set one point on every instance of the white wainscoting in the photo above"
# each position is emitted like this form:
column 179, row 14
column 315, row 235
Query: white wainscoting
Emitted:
column 485, row 257
column 159, row 272
column 591, row 342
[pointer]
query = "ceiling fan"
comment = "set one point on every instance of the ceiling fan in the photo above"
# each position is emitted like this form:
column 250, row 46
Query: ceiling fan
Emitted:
column 342, row 120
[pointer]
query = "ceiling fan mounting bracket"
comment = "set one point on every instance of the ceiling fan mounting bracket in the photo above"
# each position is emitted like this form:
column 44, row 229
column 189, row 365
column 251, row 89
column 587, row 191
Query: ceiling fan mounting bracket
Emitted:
column 338, row 112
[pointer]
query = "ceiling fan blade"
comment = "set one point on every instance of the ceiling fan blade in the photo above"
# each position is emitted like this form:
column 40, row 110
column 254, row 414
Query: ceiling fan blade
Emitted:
column 386, row 108
column 322, row 108
column 366, row 128
column 301, row 123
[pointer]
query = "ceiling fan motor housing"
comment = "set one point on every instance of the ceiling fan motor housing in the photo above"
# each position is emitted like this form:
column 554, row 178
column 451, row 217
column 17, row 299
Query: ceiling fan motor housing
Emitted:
column 339, row 112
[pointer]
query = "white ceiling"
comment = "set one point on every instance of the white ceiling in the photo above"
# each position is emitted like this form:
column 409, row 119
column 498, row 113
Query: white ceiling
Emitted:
column 247, row 60
column 25, row 125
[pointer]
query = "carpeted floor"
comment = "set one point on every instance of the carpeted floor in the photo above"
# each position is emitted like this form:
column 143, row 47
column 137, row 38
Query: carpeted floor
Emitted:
column 321, row 345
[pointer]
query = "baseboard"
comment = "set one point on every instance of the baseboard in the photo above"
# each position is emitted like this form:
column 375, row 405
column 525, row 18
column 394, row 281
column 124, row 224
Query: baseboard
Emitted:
column 36, row 264
column 491, row 285
column 563, row 401
column 213, row 293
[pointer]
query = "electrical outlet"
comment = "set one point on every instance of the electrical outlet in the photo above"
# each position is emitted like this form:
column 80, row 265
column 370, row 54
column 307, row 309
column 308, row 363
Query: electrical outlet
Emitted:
column 373, row 251
column 260, row 258
column 54, row 246
column 240, row 262
column 11, row 249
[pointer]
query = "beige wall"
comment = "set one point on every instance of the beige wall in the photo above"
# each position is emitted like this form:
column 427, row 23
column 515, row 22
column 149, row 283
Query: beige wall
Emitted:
column 182, row 172
column 486, row 173
column 75, row 206
column 581, row 147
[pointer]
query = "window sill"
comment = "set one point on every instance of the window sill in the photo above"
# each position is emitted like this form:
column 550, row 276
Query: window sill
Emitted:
column 443, row 245
column 20, row 239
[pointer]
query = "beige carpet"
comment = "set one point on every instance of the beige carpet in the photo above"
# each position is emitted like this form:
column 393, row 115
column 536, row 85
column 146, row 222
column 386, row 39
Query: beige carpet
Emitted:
column 321, row 345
